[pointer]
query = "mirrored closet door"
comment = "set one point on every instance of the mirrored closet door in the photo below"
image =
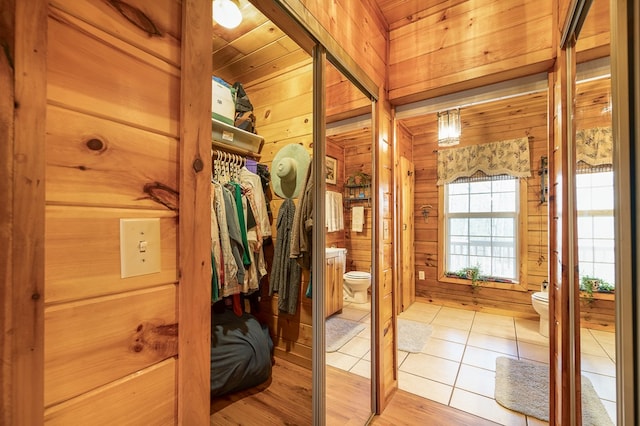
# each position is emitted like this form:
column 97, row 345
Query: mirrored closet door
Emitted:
column 348, row 251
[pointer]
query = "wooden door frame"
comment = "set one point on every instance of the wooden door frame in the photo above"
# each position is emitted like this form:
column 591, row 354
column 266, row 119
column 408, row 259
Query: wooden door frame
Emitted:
column 564, row 313
column 194, row 245
column 23, row 74
column 402, row 287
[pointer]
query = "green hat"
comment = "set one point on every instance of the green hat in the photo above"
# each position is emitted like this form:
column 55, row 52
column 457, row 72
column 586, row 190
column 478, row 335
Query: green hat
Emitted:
column 289, row 170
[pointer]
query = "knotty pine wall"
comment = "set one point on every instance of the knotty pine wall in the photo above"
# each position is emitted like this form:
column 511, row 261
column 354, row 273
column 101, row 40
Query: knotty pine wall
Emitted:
column 333, row 149
column 456, row 45
column 595, row 38
column 283, row 105
column 358, row 159
column 353, row 150
column 359, row 28
column 113, row 134
column 524, row 116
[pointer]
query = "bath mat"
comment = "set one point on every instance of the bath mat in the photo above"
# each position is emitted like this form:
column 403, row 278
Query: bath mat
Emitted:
column 523, row 386
column 339, row 331
column 412, row 335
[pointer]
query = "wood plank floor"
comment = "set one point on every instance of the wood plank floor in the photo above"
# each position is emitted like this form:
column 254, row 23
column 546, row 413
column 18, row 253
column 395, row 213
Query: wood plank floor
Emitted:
column 286, row 400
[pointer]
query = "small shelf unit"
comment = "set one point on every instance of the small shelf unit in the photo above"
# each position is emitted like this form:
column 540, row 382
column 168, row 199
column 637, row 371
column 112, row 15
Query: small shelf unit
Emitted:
column 357, row 193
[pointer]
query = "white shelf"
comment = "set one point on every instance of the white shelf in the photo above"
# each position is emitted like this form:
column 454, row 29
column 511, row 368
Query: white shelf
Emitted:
column 227, row 137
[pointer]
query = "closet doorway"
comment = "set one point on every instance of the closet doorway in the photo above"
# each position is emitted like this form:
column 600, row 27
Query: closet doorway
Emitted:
column 276, row 74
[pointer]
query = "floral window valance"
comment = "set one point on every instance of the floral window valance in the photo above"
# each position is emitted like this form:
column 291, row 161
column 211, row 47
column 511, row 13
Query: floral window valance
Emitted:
column 595, row 146
column 509, row 157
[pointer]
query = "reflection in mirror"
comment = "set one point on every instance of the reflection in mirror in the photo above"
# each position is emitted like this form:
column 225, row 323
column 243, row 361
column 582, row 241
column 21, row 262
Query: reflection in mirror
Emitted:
column 473, row 281
column 594, row 186
column 594, row 196
column 348, row 201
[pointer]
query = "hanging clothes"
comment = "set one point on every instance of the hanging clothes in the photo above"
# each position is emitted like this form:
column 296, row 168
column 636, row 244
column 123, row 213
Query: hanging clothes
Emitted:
column 285, row 273
column 253, row 210
column 262, row 213
column 239, row 223
column 241, row 208
column 216, row 250
column 252, row 184
column 235, row 237
column 229, row 266
column 301, row 246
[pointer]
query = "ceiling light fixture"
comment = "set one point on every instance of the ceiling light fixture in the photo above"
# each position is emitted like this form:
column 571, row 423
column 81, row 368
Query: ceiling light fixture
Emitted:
column 449, row 127
column 227, row 13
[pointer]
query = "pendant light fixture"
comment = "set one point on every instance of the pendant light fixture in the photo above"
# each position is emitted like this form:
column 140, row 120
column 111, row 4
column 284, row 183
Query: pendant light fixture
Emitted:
column 227, row 13
column 449, row 127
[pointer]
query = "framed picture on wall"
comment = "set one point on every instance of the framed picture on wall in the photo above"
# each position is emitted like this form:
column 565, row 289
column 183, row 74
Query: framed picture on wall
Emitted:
column 331, row 169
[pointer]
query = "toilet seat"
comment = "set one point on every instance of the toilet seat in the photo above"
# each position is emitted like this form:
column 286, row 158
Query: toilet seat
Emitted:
column 358, row 275
column 541, row 296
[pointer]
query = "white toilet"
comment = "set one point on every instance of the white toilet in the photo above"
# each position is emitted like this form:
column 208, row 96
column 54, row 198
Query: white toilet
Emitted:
column 356, row 286
column 540, row 302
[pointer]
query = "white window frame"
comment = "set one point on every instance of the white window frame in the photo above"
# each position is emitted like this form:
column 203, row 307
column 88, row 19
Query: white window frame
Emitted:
column 596, row 213
column 520, row 283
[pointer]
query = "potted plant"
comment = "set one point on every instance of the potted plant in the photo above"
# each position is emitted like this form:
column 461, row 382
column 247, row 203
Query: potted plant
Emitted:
column 470, row 273
column 590, row 285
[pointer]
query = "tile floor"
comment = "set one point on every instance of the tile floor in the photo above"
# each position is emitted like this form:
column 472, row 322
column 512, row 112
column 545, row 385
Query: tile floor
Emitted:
column 457, row 364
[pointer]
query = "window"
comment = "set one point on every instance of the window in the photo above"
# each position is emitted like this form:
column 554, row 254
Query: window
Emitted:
column 596, row 238
column 481, row 222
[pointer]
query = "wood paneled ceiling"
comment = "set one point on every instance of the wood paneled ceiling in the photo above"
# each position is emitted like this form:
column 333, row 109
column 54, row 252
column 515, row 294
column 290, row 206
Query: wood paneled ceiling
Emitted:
column 255, row 49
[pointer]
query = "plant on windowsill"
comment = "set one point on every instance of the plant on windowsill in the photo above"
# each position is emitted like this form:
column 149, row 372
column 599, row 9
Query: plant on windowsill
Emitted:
column 471, row 273
column 590, row 285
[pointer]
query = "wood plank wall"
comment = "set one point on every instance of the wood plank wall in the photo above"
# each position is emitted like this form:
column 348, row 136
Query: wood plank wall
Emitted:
column 357, row 26
column 595, row 38
column 335, row 150
column 112, row 146
column 358, row 158
column 457, row 45
column 283, row 105
column 353, row 150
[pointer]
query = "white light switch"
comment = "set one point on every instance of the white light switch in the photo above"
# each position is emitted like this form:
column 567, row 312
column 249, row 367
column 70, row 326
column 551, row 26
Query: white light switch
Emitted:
column 421, row 275
column 139, row 247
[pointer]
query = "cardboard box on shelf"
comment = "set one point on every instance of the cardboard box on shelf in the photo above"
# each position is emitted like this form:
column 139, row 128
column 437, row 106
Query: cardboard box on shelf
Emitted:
column 223, row 104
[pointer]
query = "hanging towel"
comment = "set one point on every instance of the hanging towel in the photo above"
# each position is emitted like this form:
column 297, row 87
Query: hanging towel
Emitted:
column 334, row 216
column 357, row 218
column 339, row 213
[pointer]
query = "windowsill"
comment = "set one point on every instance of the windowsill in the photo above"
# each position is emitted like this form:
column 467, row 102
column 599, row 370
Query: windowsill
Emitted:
column 598, row 296
column 515, row 286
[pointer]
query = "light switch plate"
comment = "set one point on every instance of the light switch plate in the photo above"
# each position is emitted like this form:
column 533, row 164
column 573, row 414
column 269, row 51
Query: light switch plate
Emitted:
column 421, row 275
column 139, row 247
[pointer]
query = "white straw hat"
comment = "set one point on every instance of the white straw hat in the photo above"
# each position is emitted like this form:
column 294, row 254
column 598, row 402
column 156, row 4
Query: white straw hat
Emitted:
column 289, row 170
